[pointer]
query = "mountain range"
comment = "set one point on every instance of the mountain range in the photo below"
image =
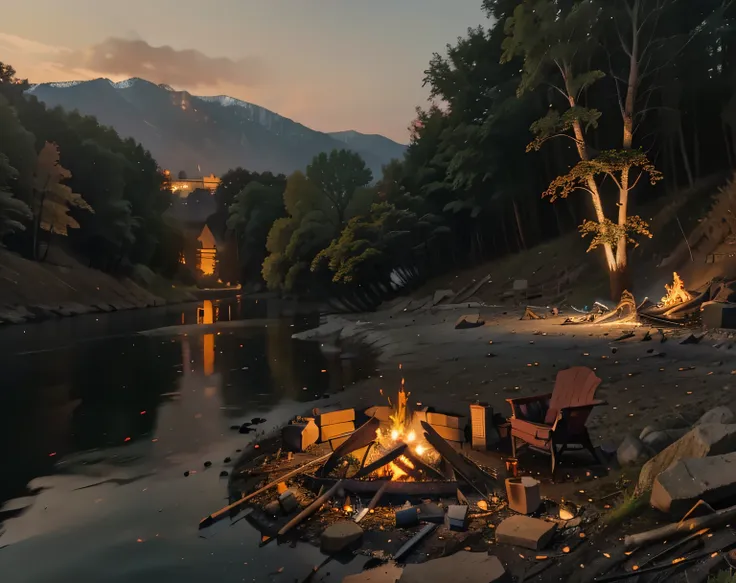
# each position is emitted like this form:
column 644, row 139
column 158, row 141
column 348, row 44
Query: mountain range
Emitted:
column 208, row 135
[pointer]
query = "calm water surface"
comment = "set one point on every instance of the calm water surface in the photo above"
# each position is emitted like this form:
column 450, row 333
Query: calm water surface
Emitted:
column 99, row 423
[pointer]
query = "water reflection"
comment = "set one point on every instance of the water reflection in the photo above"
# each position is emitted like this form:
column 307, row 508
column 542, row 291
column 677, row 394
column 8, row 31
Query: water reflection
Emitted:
column 184, row 391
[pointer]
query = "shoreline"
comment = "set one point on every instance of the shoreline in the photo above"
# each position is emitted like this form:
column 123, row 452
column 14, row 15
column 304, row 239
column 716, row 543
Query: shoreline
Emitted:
column 645, row 382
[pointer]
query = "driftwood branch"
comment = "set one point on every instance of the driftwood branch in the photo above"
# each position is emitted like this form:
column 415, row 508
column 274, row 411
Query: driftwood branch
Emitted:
column 681, row 528
column 212, row 518
column 311, row 509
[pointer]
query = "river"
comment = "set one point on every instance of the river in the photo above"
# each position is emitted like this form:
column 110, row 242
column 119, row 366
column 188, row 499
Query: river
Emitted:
column 99, row 424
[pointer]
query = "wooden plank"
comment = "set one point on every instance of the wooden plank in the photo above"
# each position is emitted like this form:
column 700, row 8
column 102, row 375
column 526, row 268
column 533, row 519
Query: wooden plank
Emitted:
column 450, row 433
column 478, row 480
column 328, row 432
column 335, row 417
column 451, row 421
column 361, row 437
column 379, row 463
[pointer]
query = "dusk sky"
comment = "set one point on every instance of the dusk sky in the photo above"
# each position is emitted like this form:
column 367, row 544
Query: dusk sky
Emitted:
column 330, row 64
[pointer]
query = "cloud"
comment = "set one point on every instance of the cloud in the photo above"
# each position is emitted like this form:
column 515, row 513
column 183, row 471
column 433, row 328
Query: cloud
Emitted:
column 164, row 64
column 13, row 43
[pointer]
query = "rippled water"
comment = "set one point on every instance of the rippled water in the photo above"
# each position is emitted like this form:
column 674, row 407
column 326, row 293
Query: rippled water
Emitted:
column 99, row 423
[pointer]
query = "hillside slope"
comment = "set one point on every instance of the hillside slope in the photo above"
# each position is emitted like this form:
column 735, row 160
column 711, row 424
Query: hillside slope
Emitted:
column 203, row 135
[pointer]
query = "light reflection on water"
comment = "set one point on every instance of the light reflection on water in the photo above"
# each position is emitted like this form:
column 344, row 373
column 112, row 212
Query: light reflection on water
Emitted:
column 95, row 437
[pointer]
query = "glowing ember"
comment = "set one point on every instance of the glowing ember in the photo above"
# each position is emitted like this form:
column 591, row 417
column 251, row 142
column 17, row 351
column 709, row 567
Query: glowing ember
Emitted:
column 676, row 293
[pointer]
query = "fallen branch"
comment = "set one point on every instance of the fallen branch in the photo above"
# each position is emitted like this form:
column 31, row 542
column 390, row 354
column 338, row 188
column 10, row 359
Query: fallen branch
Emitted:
column 681, row 528
column 379, row 463
column 212, row 518
column 311, row 509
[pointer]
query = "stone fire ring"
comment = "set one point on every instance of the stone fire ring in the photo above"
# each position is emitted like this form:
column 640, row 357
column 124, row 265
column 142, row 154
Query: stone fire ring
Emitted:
column 419, row 488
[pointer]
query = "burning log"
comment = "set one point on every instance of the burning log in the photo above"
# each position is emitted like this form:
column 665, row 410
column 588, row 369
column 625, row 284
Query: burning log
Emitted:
column 212, row 518
column 361, row 437
column 382, row 461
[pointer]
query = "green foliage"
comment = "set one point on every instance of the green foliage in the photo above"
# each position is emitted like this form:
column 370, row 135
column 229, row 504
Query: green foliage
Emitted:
column 14, row 213
column 338, row 176
column 554, row 125
column 369, row 246
column 609, row 163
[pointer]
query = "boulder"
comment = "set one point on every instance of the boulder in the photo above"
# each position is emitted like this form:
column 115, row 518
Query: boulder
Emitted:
column 462, row 567
column 524, row 531
column 339, row 536
column 709, row 479
column 656, row 441
column 702, row 441
column 389, row 573
column 720, row 414
column 469, row 321
column 631, row 451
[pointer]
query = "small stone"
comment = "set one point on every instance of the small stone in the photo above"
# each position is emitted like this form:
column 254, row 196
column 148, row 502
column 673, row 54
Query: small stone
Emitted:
column 186, row 474
column 273, row 508
column 257, row 420
column 339, row 536
column 224, row 474
column 288, row 502
column 631, row 451
column 524, row 531
column 207, row 464
column 227, row 460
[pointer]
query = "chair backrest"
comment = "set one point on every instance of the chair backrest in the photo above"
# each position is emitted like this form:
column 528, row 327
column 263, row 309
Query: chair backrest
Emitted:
column 574, row 387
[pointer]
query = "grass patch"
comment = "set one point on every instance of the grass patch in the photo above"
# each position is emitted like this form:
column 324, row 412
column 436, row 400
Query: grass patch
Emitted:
column 630, row 506
column 723, row 577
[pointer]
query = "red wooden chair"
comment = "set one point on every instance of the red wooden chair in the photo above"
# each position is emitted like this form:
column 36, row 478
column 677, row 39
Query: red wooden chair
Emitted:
column 553, row 422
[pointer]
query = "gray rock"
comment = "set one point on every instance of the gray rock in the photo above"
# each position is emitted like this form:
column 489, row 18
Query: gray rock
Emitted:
column 702, row 441
column 384, row 574
column 273, row 508
column 288, row 502
column 462, row 567
column 525, row 531
column 646, row 431
column 631, row 451
column 720, row 414
column 339, row 536
column 711, row 479
column 656, row 441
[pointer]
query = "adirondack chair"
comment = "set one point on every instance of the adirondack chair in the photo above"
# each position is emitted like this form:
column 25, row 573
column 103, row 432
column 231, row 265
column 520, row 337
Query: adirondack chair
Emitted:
column 554, row 421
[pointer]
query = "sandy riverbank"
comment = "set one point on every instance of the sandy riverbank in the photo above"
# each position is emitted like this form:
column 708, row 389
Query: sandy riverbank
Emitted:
column 507, row 357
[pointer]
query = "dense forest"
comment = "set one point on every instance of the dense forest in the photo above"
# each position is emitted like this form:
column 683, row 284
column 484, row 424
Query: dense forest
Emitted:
column 65, row 175
column 598, row 106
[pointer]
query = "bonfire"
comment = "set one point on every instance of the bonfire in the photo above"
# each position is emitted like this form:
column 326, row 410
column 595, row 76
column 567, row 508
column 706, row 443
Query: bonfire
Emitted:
column 676, row 293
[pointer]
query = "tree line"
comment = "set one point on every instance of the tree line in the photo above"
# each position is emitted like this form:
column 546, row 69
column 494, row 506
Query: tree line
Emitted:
column 64, row 174
column 600, row 106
